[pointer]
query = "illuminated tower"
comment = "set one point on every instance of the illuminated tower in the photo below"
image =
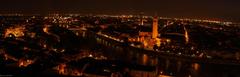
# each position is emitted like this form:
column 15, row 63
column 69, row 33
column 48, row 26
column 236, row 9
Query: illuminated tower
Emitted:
column 155, row 27
column 141, row 19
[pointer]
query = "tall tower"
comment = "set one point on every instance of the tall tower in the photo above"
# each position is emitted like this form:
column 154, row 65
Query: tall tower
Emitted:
column 155, row 27
column 141, row 19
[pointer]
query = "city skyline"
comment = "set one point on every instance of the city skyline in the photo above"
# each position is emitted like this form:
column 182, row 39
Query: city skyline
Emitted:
column 93, row 45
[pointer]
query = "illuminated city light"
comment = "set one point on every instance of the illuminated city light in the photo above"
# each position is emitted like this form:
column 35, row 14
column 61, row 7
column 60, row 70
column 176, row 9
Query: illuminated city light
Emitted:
column 148, row 47
column 145, row 59
column 61, row 68
column 186, row 35
column 45, row 29
column 17, row 31
column 24, row 63
column 196, row 66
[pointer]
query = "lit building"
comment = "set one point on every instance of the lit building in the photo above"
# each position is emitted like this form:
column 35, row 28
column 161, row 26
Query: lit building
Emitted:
column 155, row 28
column 149, row 37
column 17, row 31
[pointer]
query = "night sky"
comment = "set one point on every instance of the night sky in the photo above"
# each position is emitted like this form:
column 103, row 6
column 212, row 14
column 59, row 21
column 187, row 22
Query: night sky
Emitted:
column 169, row 8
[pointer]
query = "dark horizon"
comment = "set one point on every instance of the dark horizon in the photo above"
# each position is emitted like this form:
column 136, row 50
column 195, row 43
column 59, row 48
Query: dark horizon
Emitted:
column 222, row 9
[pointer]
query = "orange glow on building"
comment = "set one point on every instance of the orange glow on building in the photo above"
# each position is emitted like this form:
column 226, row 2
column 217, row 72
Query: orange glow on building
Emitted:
column 45, row 29
column 61, row 68
column 158, row 42
column 24, row 63
column 155, row 27
column 16, row 31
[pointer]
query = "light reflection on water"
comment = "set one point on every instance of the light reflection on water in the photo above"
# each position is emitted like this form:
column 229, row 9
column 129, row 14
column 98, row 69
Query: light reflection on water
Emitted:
column 196, row 66
column 167, row 66
column 145, row 59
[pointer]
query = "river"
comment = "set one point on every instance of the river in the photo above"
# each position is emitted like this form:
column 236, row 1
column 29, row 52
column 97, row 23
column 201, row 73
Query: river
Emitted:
column 165, row 66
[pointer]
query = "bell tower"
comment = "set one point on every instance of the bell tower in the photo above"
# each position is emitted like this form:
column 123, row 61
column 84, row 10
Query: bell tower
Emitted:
column 155, row 27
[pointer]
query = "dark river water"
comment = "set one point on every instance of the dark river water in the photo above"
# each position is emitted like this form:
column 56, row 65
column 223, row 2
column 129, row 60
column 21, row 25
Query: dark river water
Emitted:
column 164, row 65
